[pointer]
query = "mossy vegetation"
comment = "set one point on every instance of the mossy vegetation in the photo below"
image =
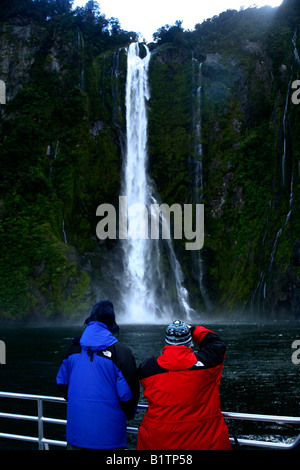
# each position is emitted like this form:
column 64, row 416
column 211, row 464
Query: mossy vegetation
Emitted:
column 63, row 136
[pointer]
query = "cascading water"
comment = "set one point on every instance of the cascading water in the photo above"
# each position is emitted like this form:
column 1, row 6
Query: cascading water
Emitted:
column 284, row 124
column 259, row 296
column 196, row 169
column 145, row 296
column 296, row 53
column 49, row 152
column 294, row 68
column 255, row 301
column 80, row 44
column 117, row 99
column 63, row 229
column 140, row 297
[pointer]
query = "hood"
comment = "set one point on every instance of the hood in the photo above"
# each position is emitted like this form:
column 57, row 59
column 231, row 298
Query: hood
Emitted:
column 177, row 358
column 97, row 336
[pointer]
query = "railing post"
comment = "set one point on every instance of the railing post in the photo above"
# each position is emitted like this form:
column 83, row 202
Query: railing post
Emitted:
column 40, row 423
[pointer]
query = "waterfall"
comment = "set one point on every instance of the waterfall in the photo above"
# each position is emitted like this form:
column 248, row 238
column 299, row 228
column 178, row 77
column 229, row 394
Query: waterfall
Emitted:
column 63, row 229
column 296, row 53
column 261, row 285
column 196, row 171
column 294, row 68
column 140, row 296
column 146, row 298
column 49, row 153
column 56, row 150
column 265, row 277
column 283, row 160
column 287, row 218
column 80, row 45
column 264, row 284
column 116, row 108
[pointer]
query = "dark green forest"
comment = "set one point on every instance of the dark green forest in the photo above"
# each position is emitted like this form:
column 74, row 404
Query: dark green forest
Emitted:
column 62, row 138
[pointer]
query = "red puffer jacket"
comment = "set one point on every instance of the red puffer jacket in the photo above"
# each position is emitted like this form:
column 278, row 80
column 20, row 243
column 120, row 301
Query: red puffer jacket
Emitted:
column 182, row 389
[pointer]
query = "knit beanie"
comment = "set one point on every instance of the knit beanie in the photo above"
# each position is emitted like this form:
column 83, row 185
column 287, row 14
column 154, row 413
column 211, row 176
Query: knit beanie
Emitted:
column 178, row 333
column 103, row 311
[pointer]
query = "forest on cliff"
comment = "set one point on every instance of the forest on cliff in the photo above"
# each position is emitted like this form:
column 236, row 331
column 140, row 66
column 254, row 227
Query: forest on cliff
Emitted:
column 62, row 139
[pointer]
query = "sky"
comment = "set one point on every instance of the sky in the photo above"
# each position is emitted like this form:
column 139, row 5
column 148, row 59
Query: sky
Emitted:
column 147, row 17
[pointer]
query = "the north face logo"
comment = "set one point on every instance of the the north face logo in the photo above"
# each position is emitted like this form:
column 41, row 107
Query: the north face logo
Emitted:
column 199, row 364
column 107, row 353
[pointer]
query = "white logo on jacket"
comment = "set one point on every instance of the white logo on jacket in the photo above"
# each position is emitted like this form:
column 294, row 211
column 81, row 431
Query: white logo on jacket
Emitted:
column 107, row 353
column 199, row 364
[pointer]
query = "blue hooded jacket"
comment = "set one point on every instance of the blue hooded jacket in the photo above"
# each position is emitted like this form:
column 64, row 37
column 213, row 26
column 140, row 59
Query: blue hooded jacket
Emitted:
column 100, row 376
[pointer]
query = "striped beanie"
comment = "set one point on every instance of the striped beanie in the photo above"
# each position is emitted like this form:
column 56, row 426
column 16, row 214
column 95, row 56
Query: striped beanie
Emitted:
column 178, row 333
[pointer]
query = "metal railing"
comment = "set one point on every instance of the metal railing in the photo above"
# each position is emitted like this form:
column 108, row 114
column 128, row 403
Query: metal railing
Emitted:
column 43, row 443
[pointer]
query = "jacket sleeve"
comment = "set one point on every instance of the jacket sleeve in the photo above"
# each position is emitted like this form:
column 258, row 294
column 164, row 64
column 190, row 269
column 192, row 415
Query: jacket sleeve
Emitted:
column 62, row 379
column 63, row 375
column 211, row 348
column 128, row 372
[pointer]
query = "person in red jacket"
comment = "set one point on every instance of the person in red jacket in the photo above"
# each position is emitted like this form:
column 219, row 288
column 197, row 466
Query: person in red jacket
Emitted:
column 182, row 389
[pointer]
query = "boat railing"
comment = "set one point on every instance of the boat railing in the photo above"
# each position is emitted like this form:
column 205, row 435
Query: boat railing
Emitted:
column 44, row 443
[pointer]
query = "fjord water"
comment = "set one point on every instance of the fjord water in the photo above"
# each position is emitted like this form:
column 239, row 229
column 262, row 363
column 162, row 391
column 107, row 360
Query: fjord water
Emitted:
column 259, row 375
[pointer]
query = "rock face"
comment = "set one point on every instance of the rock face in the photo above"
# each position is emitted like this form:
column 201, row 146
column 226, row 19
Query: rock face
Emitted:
column 16, row 55
column 223, row 88
column 250, row 215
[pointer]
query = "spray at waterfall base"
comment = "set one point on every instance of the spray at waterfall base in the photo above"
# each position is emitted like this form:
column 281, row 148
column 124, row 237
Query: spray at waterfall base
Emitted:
column 148, row 226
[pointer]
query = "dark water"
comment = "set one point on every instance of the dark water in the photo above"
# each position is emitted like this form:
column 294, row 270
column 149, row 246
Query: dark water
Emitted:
column 259, row 375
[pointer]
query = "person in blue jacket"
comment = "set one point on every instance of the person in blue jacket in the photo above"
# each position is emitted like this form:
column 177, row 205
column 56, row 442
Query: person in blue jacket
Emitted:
column 98, row 378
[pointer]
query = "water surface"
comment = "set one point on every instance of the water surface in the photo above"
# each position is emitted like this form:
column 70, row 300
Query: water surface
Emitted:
column 258, row 376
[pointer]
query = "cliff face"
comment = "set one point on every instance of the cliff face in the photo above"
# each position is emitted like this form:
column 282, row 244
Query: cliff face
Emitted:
column 60, row 158
column 250, row 187
column 249, row 156
column 62, row 142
